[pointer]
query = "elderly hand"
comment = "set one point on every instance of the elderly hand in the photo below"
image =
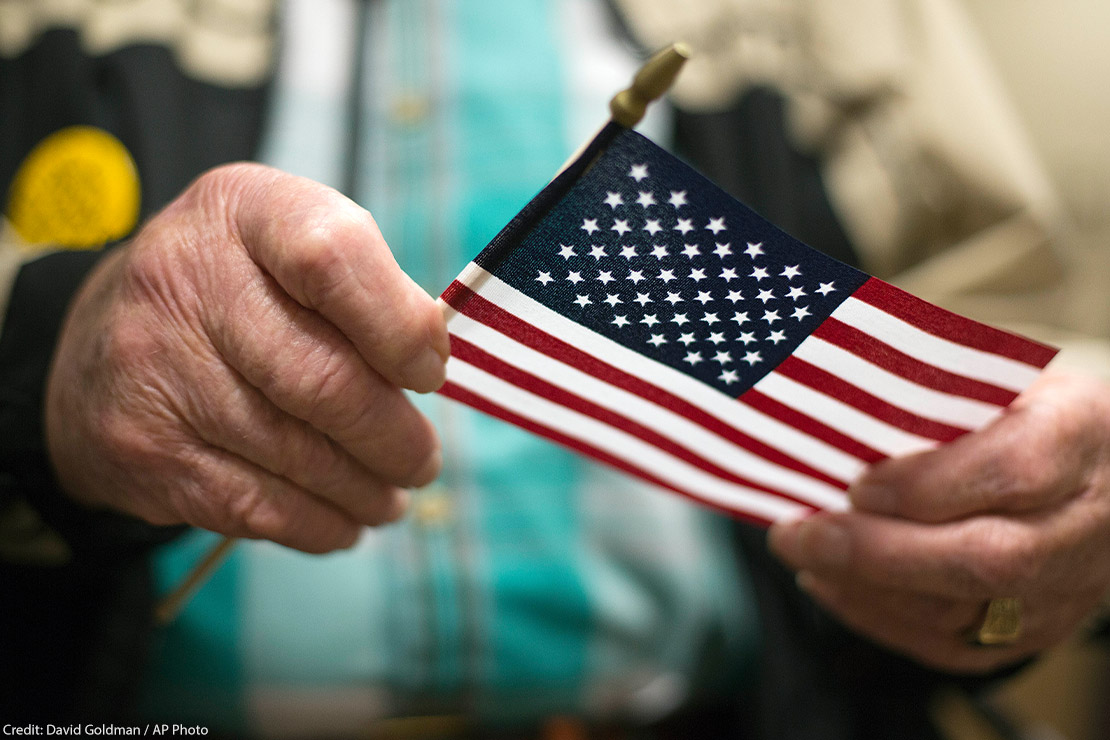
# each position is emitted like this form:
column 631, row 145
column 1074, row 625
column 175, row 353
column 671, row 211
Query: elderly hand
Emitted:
column 1019, row 509
column 239, row 366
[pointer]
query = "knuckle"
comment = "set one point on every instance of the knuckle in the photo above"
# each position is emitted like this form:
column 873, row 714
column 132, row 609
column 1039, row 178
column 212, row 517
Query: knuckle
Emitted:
column 250, row 512
column 272, row 509
column 217, row 177
column 219, row 184
column 123, row 441
column 212, row 183
column 320, row 260
column 125, row 347
column 309, row 460
column 134, row 436
column 322, row 467
column 327, row 385
column 1022, row 475
column 147, row 274
column 1004, row 562
column 321, row 282
column 994, row 482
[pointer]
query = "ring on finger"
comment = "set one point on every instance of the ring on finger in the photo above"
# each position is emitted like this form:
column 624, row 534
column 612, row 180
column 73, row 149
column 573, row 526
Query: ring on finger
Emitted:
column 1001, row 624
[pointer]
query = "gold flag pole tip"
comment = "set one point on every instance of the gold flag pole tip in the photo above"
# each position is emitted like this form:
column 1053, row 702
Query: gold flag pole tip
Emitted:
column 651, row 82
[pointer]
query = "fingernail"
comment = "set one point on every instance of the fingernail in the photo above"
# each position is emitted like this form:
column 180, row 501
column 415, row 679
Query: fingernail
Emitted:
column 824, row 544
column 429, row 471
column 426, row 372
column 399, row 505
column 873, row 497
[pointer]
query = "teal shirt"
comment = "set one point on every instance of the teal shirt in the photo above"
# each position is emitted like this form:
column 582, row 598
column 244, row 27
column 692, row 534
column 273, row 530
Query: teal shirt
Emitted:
column 526, row 581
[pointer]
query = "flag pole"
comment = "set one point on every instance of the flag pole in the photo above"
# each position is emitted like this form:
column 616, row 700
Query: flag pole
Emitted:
column 627, row 108
column 172, row 603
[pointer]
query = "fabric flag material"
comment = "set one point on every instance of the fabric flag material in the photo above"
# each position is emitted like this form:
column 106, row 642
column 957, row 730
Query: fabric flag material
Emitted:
column 636, row 313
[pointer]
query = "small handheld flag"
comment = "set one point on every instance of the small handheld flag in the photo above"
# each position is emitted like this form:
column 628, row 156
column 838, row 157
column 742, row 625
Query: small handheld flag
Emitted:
column 636, row 313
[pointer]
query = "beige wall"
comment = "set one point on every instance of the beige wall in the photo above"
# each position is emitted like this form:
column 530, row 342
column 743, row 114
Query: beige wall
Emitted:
column 1054, row 57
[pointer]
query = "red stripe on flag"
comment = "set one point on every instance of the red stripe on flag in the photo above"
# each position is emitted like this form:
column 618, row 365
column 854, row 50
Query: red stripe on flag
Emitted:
column 769, row 406
column 483, row 360
column 829, row 384
column 951, row 326
column 469, row 303
column 456, row 295
column 879, row 353
column 484, row 405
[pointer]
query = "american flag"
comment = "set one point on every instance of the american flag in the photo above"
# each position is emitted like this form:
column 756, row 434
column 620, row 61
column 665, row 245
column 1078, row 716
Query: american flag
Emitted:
column 636, row 313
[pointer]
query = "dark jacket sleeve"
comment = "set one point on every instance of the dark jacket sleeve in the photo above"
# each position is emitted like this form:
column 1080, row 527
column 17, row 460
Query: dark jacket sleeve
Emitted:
column 76, row 618
column 39, row 298
column 76, row 614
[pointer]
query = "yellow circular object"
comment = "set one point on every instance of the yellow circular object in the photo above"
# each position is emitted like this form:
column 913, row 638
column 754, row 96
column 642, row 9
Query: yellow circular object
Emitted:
column 78, row 188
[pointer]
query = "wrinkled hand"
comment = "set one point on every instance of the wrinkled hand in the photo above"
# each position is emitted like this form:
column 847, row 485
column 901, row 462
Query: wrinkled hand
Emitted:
column 238, row 366
column 1021, row 508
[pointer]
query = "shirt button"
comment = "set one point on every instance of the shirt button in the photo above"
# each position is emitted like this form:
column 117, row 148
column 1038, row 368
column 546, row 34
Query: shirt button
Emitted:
column 432, row 507
column 409, row 109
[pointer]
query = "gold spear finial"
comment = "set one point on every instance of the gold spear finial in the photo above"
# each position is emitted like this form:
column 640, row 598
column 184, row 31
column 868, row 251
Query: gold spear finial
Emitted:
column 651, row 81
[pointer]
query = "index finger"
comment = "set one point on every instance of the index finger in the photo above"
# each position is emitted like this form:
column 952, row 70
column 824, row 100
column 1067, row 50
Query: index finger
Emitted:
column 328, row 254
column 1033, row 457
column 972, row 559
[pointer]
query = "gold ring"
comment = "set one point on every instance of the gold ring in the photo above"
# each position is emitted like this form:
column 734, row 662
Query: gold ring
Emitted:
column 1001, row 623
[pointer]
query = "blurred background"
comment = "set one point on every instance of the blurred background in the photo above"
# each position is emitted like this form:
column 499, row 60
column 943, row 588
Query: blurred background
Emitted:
column 1054, row 59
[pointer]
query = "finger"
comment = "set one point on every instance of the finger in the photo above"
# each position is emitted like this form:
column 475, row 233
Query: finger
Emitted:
column 1031, row 458
column 937, row 614
column 236, row 417
column 975, row 559
column 329, row 255
column 234, row 497
column 307, row 368
column 901, row 622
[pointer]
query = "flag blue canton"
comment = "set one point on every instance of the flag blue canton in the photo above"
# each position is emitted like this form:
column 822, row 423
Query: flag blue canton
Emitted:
column 648, row 253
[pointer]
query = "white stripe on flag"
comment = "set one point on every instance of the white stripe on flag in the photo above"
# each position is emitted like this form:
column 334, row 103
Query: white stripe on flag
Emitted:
column 662, row 421
column 896, row 390
column 845, row 418
column 933, row 350
column 631, row 450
